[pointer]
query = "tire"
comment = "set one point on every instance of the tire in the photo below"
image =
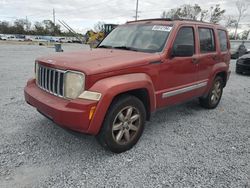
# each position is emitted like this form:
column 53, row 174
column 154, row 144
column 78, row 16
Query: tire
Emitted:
column 213, row 98
column 123, row 124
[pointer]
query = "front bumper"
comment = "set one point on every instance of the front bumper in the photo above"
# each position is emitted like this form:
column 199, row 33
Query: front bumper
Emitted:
column 243, row 68
column 72, row 114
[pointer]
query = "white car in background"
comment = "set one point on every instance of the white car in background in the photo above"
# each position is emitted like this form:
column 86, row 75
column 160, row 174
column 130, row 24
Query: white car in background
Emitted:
column 3, row 37
column 65, row 40
column 40, row 39
column 14, row 38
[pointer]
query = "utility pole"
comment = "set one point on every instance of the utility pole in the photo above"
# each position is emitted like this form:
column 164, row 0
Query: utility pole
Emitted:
column 136, row 10
column 54, row 16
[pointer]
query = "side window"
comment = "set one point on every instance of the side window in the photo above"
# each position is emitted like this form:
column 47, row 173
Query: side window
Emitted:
column 223, row 40
column 185, row 37
column 207, row 43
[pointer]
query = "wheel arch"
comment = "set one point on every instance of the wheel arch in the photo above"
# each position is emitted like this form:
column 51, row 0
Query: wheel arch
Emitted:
column 223, row 75
column 137, row 84
column 143, row 95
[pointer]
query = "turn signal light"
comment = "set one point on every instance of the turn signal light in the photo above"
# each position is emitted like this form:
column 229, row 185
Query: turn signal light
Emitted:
column 91, row 112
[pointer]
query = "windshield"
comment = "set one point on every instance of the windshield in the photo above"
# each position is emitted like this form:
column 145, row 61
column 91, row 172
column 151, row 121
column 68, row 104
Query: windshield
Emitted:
column 143, row 38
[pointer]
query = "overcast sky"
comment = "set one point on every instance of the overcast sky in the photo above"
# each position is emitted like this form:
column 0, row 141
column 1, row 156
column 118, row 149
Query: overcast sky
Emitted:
column 83, row 14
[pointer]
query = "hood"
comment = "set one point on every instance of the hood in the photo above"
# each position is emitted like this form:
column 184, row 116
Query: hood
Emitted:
column 98, row 60
column 246, row 56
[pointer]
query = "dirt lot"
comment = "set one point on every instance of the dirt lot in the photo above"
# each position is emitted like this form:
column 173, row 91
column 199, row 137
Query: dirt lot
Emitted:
column 182, row 146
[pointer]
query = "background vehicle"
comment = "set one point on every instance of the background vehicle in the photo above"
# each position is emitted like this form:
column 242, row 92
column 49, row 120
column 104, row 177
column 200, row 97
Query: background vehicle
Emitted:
column 243, row 64
column 3, row 37
column 234, row 48
column 94, row 38
column 138, row 68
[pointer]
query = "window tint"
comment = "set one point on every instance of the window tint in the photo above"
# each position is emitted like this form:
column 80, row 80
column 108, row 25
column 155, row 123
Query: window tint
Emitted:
column 223, row 40
column 185, row 37
column 207, row 43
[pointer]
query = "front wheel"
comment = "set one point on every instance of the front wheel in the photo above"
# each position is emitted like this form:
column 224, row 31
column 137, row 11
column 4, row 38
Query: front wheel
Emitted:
column 212, row 100
column 123, row 124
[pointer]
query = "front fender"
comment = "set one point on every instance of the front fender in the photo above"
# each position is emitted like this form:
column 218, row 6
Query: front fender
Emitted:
column 113, row 86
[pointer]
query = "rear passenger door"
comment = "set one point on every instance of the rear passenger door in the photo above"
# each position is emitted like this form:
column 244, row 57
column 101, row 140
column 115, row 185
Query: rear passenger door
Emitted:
column 208, row 55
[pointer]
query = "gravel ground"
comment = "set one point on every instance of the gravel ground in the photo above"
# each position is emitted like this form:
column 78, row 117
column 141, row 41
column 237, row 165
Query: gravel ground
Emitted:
column 182, row 146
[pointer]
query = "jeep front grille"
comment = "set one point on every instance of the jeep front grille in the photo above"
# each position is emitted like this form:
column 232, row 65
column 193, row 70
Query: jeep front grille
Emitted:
column 51, row 80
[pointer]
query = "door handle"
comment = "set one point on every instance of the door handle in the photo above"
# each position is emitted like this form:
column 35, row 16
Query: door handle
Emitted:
column 215, row 58
column 195, row 60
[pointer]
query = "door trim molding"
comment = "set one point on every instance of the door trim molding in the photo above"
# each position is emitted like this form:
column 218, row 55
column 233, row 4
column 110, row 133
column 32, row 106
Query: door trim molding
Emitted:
column 184, row 90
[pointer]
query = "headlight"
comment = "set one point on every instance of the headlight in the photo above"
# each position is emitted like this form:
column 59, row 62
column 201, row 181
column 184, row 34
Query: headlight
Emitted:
column 73, row 84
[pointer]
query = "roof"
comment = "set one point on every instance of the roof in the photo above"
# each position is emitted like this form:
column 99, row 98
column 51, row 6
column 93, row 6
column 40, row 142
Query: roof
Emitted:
column 179, row 20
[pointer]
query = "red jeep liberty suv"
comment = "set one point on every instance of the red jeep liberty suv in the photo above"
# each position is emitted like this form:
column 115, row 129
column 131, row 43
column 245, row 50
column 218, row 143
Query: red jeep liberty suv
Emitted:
column 139, row 67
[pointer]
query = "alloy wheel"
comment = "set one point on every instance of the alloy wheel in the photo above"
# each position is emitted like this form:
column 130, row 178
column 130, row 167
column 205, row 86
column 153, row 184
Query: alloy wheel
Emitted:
column 216, row 92
column 126, row 125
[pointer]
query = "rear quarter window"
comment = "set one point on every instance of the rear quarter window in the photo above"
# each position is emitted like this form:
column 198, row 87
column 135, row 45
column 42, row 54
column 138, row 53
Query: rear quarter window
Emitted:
column 207, row 42
column 223, row 40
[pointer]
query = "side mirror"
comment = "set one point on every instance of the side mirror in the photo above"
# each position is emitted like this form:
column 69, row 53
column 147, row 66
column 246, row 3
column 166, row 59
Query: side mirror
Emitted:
column 183, row 51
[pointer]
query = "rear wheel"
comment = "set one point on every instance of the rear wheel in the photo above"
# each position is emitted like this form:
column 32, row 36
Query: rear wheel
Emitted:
column 213, row 98
column 123, row 124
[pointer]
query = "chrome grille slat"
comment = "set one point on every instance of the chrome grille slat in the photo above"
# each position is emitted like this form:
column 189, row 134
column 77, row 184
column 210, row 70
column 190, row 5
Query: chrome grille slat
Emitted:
column 58, row 83
column 39, row 76
column 54, row 82
column 46, row 79
column 49, row 79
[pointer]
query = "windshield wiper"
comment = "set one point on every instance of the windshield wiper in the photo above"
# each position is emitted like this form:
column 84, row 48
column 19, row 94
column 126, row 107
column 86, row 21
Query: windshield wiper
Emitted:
column 105, row 46
column 125, row 48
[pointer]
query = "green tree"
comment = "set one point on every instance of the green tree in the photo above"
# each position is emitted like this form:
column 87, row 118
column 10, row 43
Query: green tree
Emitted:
column 4, row 27
column 19, row 26
column 245, row 34
column 195, row 12
column 99, row 26
column 51, row 28
column 216, row 14
column 242, row 7
column 39, row 29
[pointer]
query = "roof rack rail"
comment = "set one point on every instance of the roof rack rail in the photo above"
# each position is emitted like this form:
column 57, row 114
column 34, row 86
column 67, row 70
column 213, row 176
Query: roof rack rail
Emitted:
column 152, row 19
column 168, row 19
column 191, row 20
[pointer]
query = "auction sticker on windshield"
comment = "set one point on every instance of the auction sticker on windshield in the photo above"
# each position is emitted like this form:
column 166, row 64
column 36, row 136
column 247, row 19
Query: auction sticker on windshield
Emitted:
column 161, row 28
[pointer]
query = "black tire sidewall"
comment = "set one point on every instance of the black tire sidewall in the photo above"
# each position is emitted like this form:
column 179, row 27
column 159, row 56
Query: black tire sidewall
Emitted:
column 210, row 92
column 105, row 135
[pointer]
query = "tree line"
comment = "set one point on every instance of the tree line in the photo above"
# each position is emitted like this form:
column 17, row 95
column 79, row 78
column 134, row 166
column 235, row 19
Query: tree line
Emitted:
column 215, row 14
column 25, row 27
